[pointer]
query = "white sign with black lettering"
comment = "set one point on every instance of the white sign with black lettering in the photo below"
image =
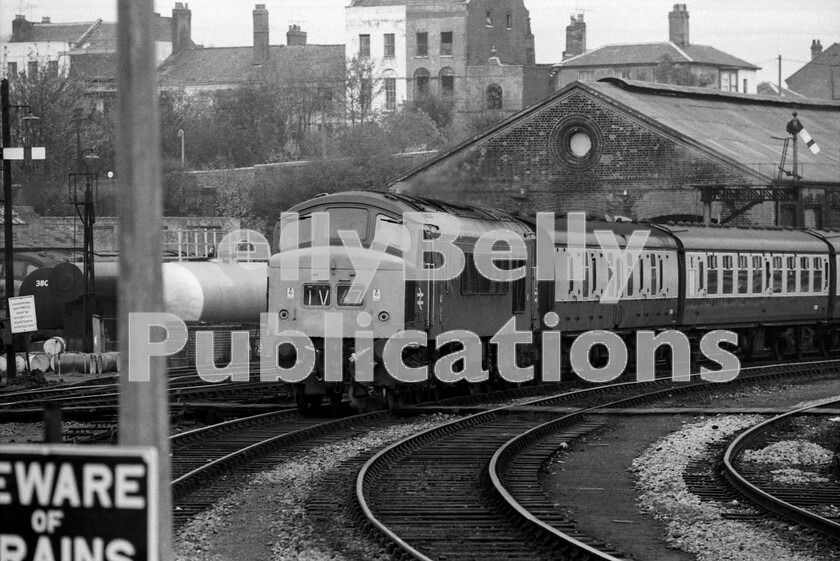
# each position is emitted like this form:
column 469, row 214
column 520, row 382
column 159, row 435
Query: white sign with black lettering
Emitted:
column 62, row 503
column 22, row 314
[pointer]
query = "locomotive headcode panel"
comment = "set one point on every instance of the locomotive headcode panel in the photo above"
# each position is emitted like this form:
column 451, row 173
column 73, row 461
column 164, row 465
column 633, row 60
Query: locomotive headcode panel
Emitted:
column 65, row 503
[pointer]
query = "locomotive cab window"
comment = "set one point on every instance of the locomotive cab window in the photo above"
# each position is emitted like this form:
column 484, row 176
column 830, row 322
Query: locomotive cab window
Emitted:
column 342, row 218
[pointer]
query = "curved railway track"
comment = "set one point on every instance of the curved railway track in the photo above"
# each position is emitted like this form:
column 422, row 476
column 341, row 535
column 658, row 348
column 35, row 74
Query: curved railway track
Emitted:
column 203, row 458
column 793, row 503
column 469, row 489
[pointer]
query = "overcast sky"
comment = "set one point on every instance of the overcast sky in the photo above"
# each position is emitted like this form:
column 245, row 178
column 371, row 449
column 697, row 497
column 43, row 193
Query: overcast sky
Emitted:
column 754, row 30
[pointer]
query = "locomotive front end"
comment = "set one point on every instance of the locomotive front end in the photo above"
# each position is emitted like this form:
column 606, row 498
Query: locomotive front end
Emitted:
column 345, row 302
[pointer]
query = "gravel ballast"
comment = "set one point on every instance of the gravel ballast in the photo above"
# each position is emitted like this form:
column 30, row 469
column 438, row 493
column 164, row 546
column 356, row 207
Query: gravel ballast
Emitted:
column 267, row 518
column 695, row 526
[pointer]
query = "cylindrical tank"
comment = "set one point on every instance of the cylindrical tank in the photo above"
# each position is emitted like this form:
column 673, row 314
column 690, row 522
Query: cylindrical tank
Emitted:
column 203, row 291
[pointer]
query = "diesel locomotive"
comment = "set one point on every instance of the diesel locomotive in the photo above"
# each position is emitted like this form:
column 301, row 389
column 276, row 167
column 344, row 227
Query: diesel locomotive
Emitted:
column 356, row 271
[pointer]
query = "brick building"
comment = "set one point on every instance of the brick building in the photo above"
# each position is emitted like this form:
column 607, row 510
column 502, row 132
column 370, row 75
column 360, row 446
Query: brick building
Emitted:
column 479, row 54
column 820, row 78
column 669, row 62
column 642, row 150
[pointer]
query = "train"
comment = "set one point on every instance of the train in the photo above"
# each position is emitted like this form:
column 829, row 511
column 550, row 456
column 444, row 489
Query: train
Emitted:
column 552, row 278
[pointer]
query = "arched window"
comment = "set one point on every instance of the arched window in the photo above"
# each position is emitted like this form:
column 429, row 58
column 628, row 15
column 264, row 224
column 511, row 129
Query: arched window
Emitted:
column 447, row 83
column 493, row 96
column 421, row 83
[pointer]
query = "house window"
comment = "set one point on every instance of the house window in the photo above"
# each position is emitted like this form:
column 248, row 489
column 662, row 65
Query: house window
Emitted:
column 447, row 83
column 421, row 83
column 52, row 68
column 729, row 81
column 489, row 17
column 745, row 86
column 364, row 46
column 390, row 45
column 390, row 93
column 625, row 74
column 365, row 94
column 586, row 75
column 12, row 70
column 446, row 43
column 509, row 21
column 32, row 68
column 422, row 43
column 493, row 96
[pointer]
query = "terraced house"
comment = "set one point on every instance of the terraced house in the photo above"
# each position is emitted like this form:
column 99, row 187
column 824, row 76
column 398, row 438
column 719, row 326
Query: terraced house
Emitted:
column 677, row 61
column 477, row 54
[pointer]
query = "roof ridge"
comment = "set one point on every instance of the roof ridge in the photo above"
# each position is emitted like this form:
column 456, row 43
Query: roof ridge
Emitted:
column 89, row 31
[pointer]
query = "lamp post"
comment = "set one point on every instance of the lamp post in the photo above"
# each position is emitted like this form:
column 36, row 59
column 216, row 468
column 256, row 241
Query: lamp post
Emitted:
column 181, row 136
column 9, row 154
column 87, row 214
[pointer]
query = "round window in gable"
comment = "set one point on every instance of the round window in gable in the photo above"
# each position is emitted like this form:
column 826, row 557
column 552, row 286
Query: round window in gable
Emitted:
column 576, row 143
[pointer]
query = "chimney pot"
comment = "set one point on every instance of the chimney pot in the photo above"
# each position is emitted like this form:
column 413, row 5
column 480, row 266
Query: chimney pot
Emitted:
column 45, row 19
column 678, row 25
column 295, row 37
column 181, row 27
column 575, row 37
column 260, row 34
column 816, row 48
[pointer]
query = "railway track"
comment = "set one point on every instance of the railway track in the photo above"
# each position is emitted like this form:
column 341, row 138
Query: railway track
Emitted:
column 469, row 489
column 797, row 503
column 203, row 459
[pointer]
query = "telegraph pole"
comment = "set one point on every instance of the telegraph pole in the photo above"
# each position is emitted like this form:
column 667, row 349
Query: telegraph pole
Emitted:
column 11, row 366
column 144, row 405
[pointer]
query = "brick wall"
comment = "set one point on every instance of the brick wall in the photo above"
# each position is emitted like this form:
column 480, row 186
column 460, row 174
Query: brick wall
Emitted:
column 524, row 163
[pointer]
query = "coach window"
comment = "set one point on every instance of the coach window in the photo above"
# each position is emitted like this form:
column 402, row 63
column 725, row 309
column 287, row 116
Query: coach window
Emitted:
column 728, row 275
column 778, row 274
column 629, row 290
column 743, row 275
column 654, row 275
column 790, row 274
column 757, row 274
column 712, row 261
column 805, row 274
column 819, row 263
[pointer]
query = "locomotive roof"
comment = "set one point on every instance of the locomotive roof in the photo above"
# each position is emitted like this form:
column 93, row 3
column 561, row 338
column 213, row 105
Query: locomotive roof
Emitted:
column 657, row 239
column 399, row 204
column 712, row 238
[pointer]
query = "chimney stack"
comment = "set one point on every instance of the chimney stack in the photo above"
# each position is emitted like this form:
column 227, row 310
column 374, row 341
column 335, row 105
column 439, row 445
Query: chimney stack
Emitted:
column 575, row 37
column 45, row 19
column 181, row 27
column 816, row 48
column 678, row 25
column 260, row 34
column 295, row 37
column 20, row 27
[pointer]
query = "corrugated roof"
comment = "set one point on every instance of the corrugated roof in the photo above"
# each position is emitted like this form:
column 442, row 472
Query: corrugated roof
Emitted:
column 55, row 32
column 732, row 127
column 738, row 127
column 651, row 53
column 232, row 65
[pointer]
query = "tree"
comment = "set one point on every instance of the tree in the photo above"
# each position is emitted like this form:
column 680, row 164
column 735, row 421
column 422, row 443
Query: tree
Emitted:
column 361, row 88
column 667, row 72
column 68, row 123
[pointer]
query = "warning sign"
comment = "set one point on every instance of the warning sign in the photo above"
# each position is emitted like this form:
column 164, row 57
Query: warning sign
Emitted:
column 62, row 503
column 22, row 312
